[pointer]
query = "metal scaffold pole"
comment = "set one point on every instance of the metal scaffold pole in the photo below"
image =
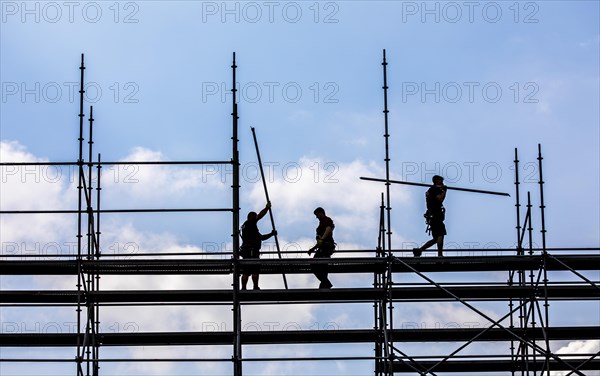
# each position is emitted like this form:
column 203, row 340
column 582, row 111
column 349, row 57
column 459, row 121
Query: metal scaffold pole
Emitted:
column 526, row 314
column 388, row 274
column 387, row 154
column 377, row 284
column 97, row 279
column 91, row 357
column 237, row 319
column 264, row 181
column 380, row 322
column 519, row 251
column 546, row 318
column 518, row 204
column 80, row 181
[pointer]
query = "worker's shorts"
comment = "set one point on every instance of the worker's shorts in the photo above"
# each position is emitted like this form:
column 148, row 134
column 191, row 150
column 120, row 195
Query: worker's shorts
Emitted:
column 437, row 227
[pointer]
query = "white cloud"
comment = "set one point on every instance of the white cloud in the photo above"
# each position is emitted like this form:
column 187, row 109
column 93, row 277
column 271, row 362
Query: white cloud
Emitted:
column 33, row 188
column 579, row 347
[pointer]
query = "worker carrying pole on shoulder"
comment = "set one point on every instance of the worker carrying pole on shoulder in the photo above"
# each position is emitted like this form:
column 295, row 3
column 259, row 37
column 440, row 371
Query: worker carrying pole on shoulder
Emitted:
column 435, row 215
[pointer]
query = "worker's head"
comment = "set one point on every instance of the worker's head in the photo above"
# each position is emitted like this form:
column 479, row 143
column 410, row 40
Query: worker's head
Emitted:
column 437, row 180
column 252, row 215
column 319, row 212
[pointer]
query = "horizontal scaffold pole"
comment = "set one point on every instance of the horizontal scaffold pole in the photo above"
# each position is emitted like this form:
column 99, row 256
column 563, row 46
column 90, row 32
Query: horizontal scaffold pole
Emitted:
column 119, row 163
column 429, row 185
column 176, row 210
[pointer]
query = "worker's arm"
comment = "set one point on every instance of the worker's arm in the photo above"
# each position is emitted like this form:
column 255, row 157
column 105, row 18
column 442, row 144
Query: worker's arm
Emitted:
column 264, row 211
column 267, row 236
column 442, row 196
column 327, row 233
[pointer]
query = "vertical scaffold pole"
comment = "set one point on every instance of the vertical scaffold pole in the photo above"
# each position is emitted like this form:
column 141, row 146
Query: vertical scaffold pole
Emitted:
column 379, row 311
column 544, row 258
column 88, row 197
column 90, row 326
column 528, row 361
column 388, row 281
column 530, row 226
column 542, row 206
column 381, row 242
column 519, row 251
column 79, row 217
column 97, row 254
column 518, row 204
column 387, row 154
column 237, row 320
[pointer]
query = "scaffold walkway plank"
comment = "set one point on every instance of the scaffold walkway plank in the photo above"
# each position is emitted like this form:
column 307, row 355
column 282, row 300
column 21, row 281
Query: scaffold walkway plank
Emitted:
column 301, row 266
column 298, row 336
column 412, row 294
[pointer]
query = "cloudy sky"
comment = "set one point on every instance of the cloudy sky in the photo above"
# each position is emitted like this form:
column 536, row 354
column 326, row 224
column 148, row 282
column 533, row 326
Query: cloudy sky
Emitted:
column 468, row 83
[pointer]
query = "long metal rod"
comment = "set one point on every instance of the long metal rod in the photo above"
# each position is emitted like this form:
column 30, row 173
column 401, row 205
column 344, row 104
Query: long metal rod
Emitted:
column 523, row 312
column 519, row 251
column 264, row 181
column 531, row 279
column 98, row 191
column 185, row 360
column 530, row 227
column 518, row 204
column 97, row 253
column 390, row 308
column 389, row 342
column 574, row 272
column 543, row 231
column 542, row 206
column 377, row 283
column 237, row 319
column 172, row 210
column 545, row 322
column 91, row 317
column 348, row 251
column 79, row 216
column 525, row 222
column 429, row 185
column 387, row 153
column 119, row 163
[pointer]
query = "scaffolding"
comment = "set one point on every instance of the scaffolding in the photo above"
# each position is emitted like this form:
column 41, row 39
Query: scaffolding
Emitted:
column 525, row 328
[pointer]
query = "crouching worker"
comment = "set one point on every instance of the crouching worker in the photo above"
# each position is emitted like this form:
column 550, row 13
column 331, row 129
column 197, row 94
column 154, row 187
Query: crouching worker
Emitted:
column 324, row 248
column 251, row 244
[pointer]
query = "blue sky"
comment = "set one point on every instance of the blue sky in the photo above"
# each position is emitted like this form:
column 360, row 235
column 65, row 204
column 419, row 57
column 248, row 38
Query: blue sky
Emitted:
column 469, row 82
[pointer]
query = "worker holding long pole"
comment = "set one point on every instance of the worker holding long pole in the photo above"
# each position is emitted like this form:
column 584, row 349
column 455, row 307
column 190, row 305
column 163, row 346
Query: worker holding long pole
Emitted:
column 251, row 244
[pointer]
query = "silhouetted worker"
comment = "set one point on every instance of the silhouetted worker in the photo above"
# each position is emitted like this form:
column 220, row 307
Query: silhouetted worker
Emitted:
column 324, row 248
column 251, row 243
column 435, row 216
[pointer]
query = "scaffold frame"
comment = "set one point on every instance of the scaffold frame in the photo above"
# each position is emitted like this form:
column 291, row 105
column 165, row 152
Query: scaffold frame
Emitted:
column 528, row 291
